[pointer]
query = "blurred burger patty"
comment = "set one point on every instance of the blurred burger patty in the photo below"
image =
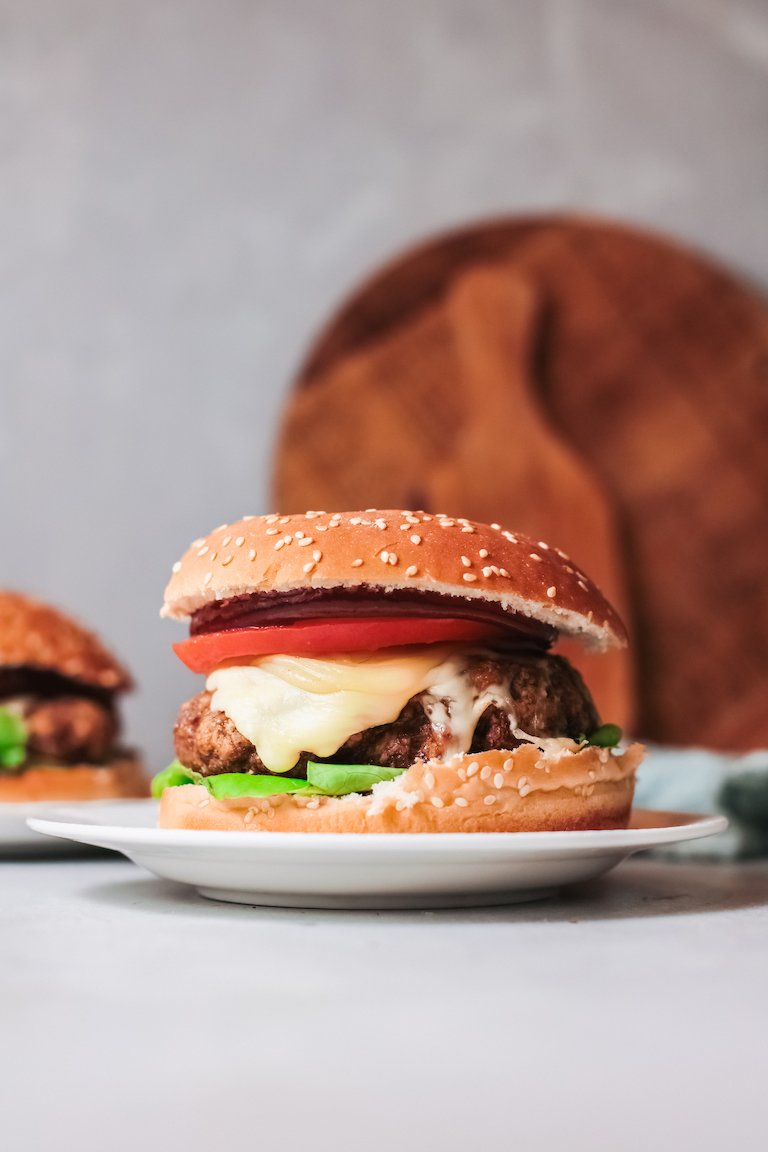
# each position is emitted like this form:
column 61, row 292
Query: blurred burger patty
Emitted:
column 71, row 728
column 547, row 697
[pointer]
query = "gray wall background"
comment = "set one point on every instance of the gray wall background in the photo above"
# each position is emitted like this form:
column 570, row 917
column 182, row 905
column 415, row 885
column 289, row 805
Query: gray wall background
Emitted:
column 188, row 187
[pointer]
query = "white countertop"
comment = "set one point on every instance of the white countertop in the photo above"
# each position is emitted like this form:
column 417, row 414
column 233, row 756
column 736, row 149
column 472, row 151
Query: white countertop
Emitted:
column 629, row 1014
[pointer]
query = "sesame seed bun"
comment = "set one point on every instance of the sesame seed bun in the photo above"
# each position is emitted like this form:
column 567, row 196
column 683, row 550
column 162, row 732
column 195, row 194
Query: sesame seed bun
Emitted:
column 35, row 635
column 120, row 778
column 526, row 790
column 393, row 550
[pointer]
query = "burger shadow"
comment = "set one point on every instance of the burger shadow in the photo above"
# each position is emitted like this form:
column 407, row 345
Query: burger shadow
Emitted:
column 640, row 889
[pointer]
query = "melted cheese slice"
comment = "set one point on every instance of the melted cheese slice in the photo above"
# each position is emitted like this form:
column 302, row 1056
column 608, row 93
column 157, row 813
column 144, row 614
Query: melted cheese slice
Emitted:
column 286, row 705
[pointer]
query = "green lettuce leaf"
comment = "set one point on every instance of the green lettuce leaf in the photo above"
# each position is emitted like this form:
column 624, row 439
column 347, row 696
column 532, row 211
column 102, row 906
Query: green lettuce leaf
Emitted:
column 172, row 777
column 13, row 739
column 606, row 736
column 322, row 780
column 341, row 779
column 228, row 785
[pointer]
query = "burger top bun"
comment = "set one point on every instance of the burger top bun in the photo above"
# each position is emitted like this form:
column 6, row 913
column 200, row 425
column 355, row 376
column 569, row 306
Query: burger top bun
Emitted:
column 34, row 635
column 391, row 550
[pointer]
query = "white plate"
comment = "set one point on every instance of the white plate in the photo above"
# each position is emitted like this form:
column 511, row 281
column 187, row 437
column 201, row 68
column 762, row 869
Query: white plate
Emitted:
column 17, row 838
column 348, row 870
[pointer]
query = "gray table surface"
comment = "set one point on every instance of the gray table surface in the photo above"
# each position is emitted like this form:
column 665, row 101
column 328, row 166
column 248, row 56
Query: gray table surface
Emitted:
column 627, row 1014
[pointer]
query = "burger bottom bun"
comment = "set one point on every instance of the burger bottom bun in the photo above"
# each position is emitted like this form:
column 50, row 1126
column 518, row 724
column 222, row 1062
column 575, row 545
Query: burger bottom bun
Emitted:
column 526, row 790
column 122, row 777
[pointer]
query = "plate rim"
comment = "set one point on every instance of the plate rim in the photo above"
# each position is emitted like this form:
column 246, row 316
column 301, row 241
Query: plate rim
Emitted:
column 685, row 826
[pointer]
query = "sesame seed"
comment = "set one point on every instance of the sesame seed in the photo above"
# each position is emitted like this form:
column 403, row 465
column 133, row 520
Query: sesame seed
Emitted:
column 483, row 553
column 551, row 591
column 462, row 773
column 380, row 523
column 240, row 541
column 272, row 531
column 525, row 790
column 354, row 520
column 252, row 554
column 177, row 566
column 469, row 577
column 411, row 570
column 498, row 780
column 543, row 545
column 225, row 541
column 487, row 572
column 429, row 779
column 438, row 803
column 214, row 554
column 508, row 536
column 298, row 535
column 472, row 769
column 535, row 556
column 357, row 563
column 460, row 802
column 522, row 782
column 490, row 799
column 271, row 519
column 315, row 803
column 466, row 561
column 468, row 528
column 203, row 550
column 393, row 558
column 496, row 527
column 279, row 544
column 304, row 542
column 283, row 519
column 207, row 579
column 503, row 572
column 227, row 560
column 384, row 557
column 415, row 539
column 204, row 803
column 582, row 585
column 309, row 567
column 507, row 765
column 485, row 772
column 321, row 527
column 249, row 816
column 317, row 555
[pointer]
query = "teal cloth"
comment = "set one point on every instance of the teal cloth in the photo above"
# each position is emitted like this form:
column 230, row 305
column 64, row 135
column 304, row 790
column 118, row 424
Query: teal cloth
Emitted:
column 696, row 780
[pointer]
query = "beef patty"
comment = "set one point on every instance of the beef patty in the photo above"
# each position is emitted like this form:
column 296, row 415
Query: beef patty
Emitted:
column 547, row 697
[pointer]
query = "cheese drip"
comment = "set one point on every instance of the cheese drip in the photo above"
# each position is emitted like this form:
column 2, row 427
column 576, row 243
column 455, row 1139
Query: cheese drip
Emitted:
column 286, row 705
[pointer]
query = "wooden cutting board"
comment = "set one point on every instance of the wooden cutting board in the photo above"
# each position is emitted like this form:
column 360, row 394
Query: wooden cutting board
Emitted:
column 589, row 384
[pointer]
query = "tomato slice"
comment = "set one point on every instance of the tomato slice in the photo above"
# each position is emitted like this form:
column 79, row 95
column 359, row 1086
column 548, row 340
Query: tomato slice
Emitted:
column 319, row 637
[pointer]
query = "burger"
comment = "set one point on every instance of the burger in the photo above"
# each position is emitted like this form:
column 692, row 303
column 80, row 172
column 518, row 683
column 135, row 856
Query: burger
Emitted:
column 388, row 671
column 59, row 728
